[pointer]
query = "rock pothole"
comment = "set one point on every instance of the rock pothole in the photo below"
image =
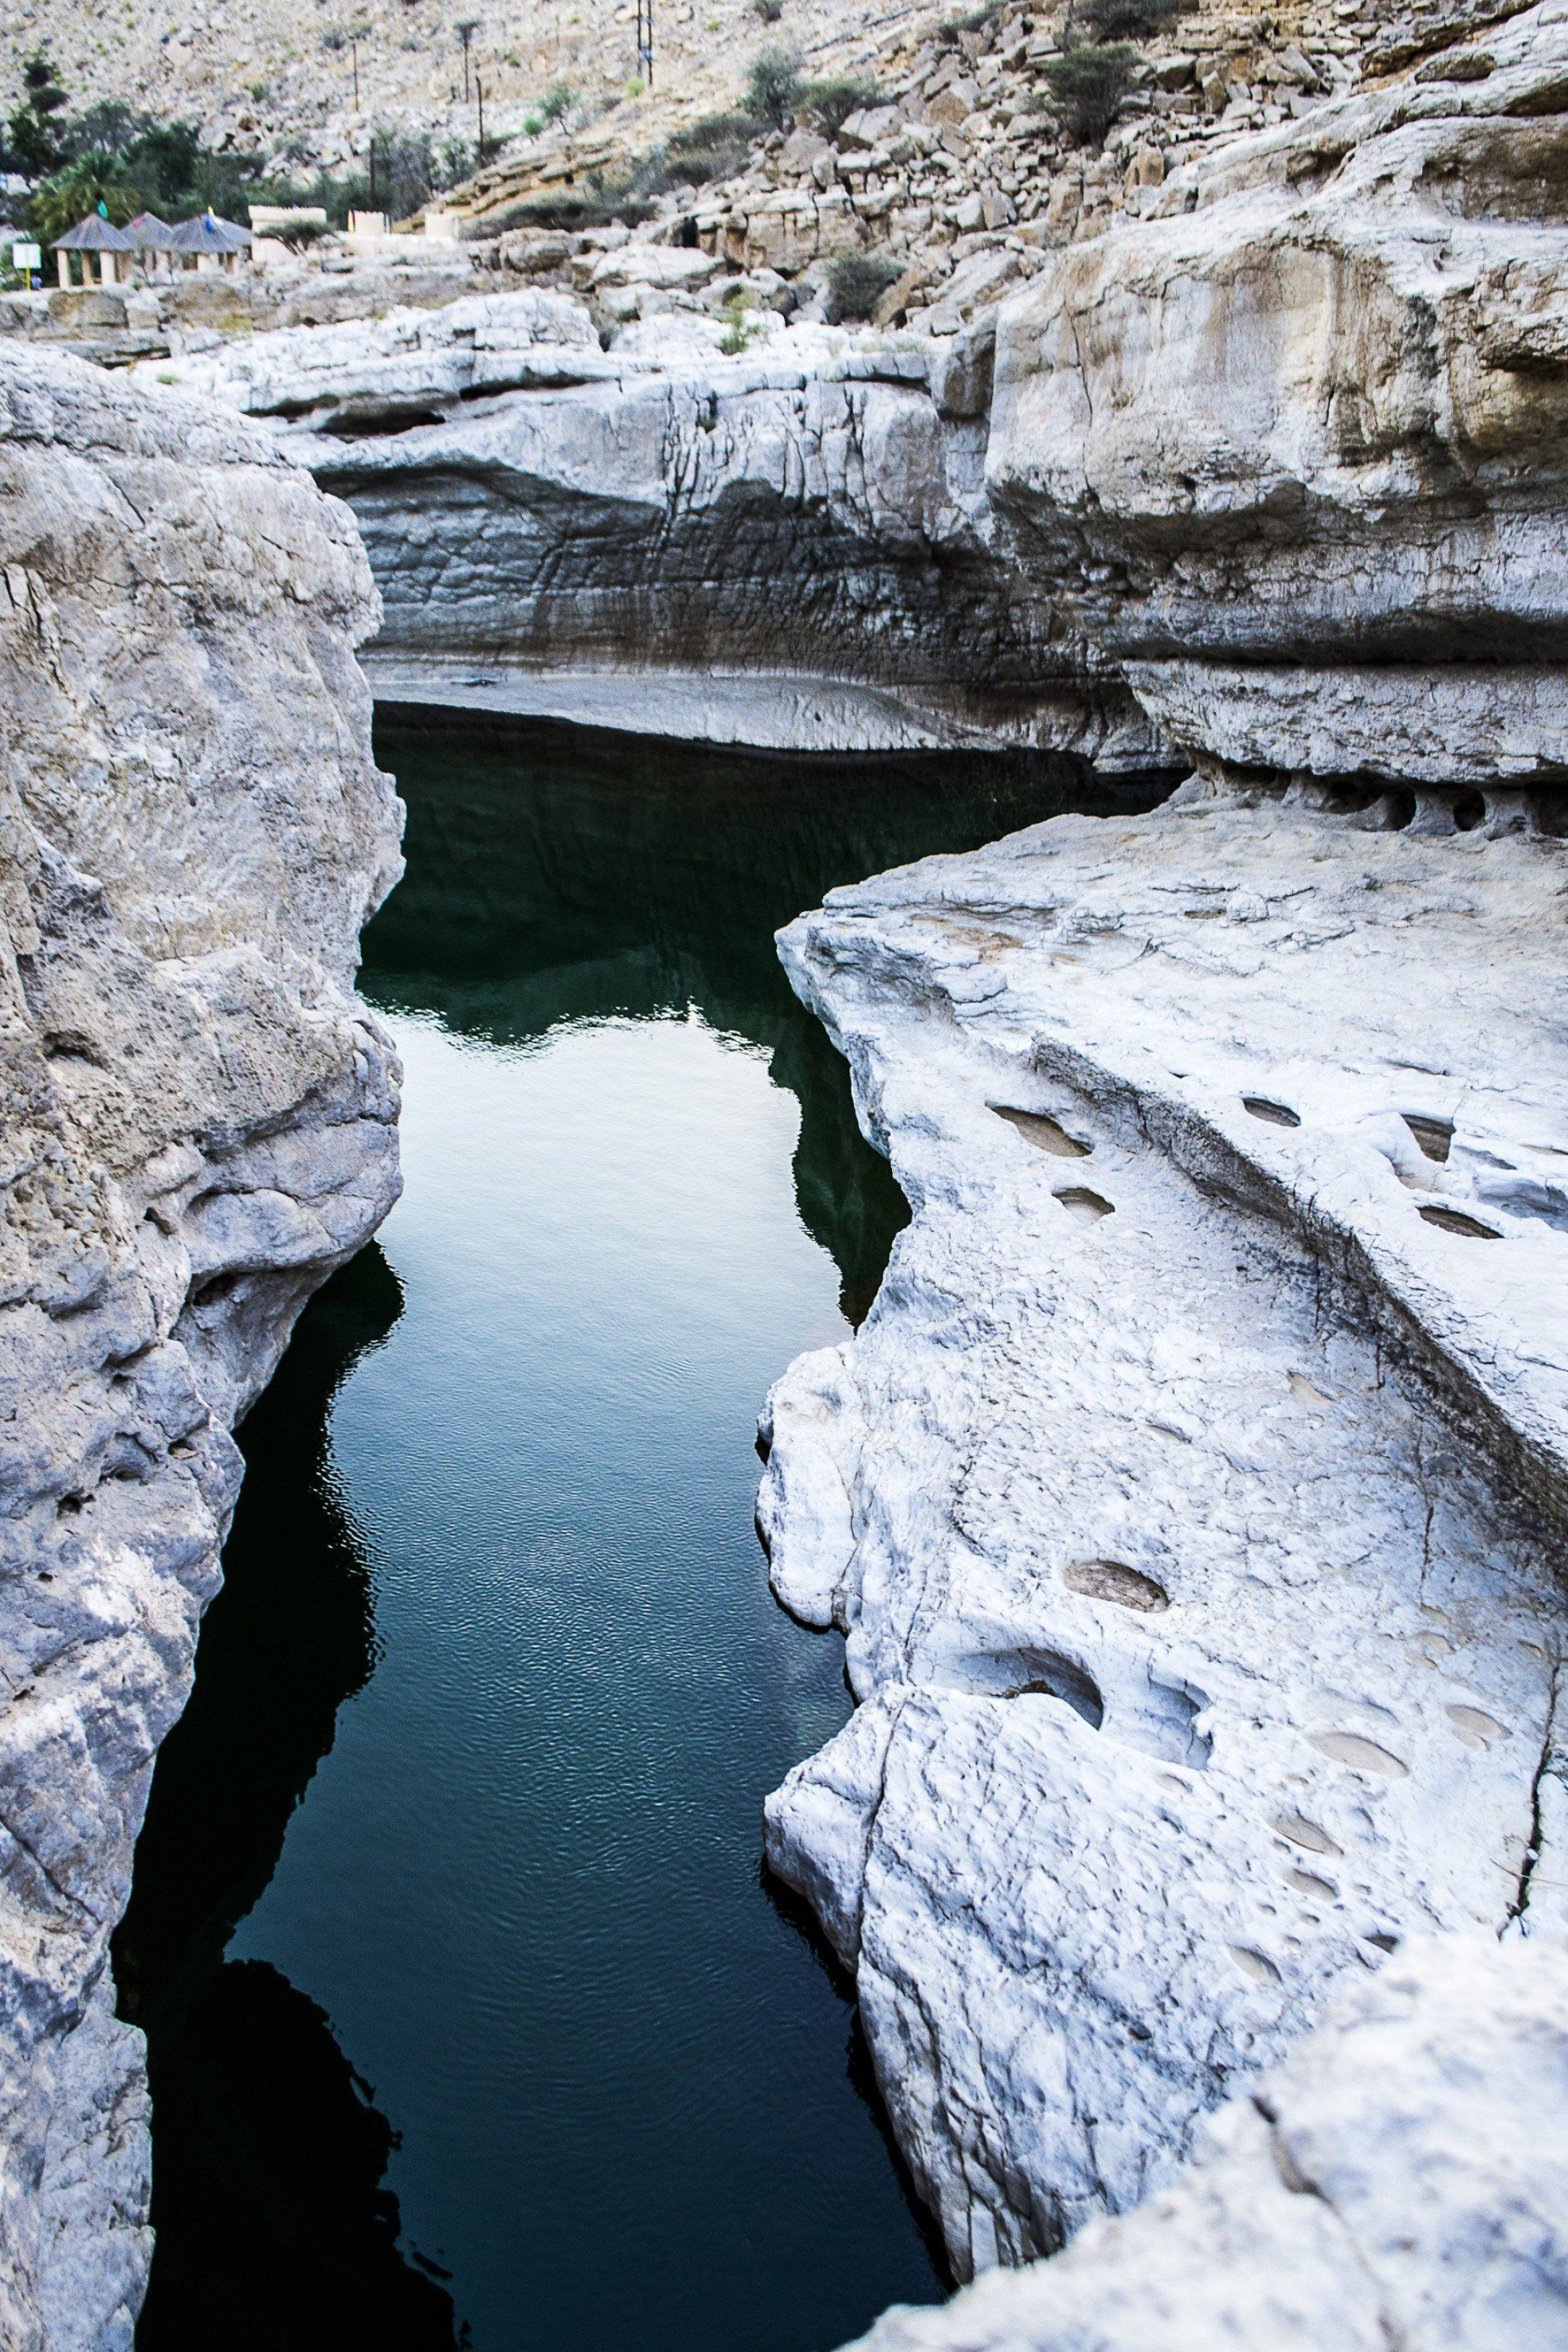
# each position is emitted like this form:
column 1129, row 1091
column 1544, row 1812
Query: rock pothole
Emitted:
column 1360, row 1755
column 1455, row 1221
column 1434, row 1135
column 1045, row 1133
column 1112, row 1580
column 1272, row 1114
column 1086, row 1206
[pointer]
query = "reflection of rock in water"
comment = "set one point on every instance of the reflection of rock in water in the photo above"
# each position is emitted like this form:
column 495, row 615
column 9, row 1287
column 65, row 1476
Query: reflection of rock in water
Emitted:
column 273, row 2229
column 268, row 2150
column 555, row 874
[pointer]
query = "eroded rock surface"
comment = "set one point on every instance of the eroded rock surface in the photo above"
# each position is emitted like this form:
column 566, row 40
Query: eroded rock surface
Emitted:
column 1293, row 443
column 1402, row 2179
column 1191, row 1498
column 798, row 530
column 199, row 1124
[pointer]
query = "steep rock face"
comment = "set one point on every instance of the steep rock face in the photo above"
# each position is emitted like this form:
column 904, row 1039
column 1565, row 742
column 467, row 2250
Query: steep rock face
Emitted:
column 1294, row 448
column 1402, row 2179
column 800, row 529
column 199, row 1123
column 1188, row 1498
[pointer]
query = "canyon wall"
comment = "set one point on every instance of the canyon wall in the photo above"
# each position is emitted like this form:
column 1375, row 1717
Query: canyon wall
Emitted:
column 199, row 1124
column 1265, row 473
column 1293, row 441
column 1190, row 1500
column 798, row 534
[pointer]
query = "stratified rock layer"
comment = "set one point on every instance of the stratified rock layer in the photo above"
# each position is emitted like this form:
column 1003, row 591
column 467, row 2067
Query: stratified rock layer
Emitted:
column 789, row 545
column 1191, row 1499
column 1294, row 449
column 198, row 1123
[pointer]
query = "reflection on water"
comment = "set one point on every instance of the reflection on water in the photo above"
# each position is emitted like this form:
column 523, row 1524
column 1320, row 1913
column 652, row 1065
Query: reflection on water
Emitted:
column 467, row 1798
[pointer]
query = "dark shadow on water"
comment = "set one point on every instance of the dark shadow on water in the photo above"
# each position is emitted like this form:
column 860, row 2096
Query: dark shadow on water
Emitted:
column 555, row 875
column 798, row 1915
column 273, row 2226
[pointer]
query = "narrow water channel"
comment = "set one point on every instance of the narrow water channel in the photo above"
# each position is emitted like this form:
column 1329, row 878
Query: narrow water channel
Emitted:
column 472, row 2017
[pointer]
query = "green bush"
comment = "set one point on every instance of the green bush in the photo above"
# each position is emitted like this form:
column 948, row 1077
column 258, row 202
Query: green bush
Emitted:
column 1088, row 85
column 827, row 105
column 975, row 22
column 1119, row 20
column 558, row 105
column 857, row 283
column 773, row 88
column 563, row 212
column 742, row 327
column 770, row 11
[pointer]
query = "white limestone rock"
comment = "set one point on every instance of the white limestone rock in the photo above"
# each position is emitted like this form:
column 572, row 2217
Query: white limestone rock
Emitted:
column 1294, row 449
column 1191, row 1498
column 198, row 1124
column 379, row 374
column 1402, row 2179
column 804, row 521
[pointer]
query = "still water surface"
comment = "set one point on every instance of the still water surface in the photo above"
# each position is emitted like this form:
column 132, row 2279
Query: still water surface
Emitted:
column 471, row 2016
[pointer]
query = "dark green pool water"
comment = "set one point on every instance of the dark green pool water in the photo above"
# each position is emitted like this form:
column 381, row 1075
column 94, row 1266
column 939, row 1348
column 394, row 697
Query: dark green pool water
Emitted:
column 471, row 2014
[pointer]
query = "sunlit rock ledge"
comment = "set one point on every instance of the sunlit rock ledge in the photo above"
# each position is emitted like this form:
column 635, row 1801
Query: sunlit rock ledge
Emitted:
column 1193, row 1497
column 1401, row 2180
column 199, row 1124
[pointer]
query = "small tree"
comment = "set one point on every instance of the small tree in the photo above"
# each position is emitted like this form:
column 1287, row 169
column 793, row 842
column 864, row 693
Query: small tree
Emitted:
column 1088, row 85
column 1121, row 20
column 857, row 283
column 827, row 105
column 558, row 105
column 34, row 147
column 774, row 87
column 69, row 195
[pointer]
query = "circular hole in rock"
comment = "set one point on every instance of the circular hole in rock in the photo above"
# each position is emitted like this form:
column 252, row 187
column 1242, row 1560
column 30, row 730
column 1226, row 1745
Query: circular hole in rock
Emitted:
column 1303, row 1832
column 1033, row 1672
column 1401, row 810
column 1272, row 1114
column 1469, row 811
column 1454, row 1221
column 1112, row 1580
column 1474, row 1726
column 1047, row 1134
column 1079, row 1201
column 1360, row 1755
column 1434, row 1135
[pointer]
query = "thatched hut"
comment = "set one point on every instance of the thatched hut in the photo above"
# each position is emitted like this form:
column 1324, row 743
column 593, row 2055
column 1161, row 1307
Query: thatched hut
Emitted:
column 210, row 242
column 153, row 240
column 96, row 233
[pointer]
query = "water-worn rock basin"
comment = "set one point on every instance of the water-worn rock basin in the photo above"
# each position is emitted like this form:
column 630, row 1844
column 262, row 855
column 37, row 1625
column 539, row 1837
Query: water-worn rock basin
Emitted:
column 472, row 2017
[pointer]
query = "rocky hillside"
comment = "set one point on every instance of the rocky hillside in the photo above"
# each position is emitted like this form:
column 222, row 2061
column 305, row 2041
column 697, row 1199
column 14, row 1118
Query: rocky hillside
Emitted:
column 199, row 1124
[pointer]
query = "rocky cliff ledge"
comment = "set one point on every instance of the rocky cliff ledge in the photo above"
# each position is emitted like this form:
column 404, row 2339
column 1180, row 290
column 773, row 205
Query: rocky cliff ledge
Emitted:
column 1192, row 1498
column 1267, row 473
column 199, row 1125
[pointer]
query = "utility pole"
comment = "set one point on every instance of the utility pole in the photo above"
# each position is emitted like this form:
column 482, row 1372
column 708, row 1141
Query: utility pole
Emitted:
column 645, row 40
column 373, row 203
column 353, row 56
column 479, row 89
column 467, row 27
